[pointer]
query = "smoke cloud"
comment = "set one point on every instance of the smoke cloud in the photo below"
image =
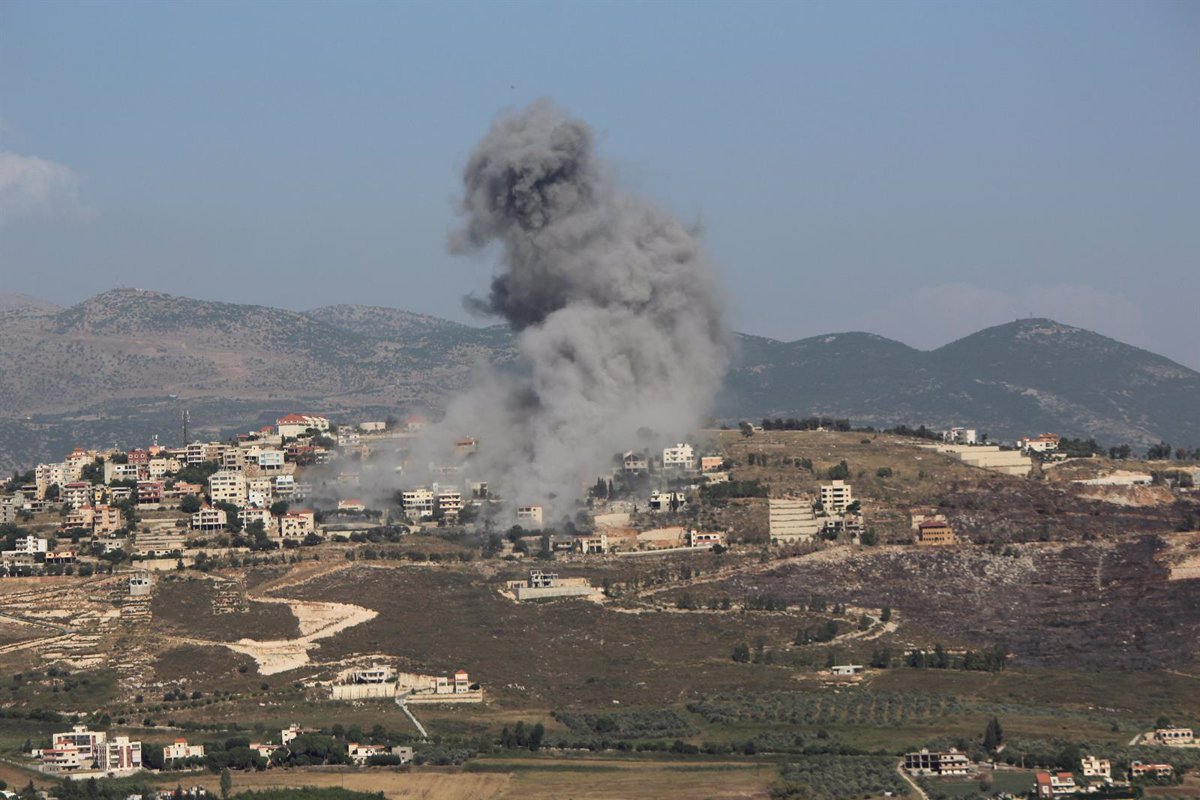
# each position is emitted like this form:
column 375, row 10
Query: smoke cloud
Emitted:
column 618, row 313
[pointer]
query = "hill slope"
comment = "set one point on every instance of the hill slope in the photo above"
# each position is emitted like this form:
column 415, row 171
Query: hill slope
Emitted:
column 109, row 369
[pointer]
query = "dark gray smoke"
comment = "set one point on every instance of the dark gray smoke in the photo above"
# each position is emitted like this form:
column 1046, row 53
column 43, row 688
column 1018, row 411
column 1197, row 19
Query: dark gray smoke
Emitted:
column 618, row 312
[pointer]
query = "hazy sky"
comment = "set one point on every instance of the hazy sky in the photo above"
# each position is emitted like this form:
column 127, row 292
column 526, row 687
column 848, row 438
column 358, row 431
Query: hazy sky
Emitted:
column 918, row 170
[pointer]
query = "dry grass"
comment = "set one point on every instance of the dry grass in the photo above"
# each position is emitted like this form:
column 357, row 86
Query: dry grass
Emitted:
column 528, row 779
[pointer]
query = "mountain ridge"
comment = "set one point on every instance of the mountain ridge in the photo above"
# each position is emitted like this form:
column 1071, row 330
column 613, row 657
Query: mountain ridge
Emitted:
column 129, row 348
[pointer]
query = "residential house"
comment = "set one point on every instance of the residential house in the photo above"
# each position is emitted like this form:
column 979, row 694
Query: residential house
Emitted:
column 1093, row 767
column 836, row 497
column 949, row 762
column 150, row 492
column 707, row 540
column 361, row 753
column 667, row 501
column 77, row 494
column 248, row 516
column 351, row 504
column 417, row 503
column 634, row 463
column 1139, row 770
column 107, row 520
column 227, row 486
column 294, row 425
column 297, row 524
column 529, row 517
column 121, row 754
column 711, row 463
column 592, row 545
column 160, row 468
column 449, row 504
column 960, row 436
column 209, row 519
column 180, row 750
column 260, row 492
column 1042, row 443
column 680, row 457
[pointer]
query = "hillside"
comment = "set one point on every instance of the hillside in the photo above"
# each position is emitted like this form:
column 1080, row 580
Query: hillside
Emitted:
column 1021, row 377
column 121, row 365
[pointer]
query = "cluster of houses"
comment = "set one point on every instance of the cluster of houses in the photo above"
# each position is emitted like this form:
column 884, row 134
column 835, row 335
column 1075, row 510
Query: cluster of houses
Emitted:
column 247, row 483
column 834, row 513
column 1097, row 773
column 83, row 750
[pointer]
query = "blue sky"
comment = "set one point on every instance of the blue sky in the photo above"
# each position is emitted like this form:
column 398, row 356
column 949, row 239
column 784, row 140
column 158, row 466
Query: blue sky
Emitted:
column 918, row 170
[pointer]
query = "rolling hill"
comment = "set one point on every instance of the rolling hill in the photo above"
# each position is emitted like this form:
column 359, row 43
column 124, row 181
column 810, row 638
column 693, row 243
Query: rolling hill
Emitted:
column 120, row 366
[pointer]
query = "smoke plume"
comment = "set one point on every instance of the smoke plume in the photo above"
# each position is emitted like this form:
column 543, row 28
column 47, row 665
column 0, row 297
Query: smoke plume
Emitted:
column 619, row 321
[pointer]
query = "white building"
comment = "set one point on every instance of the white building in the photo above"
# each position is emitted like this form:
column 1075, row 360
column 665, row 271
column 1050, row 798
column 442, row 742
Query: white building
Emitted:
column 960, row 436
column 1093, row 767
column 417, row 503
column 209, row 520
column 180, row 750
column 634, row 462
column 681, row 457
column 122, row 754
column 227, row 486
column 529, row 517
column 836, row 496
column 297, row 524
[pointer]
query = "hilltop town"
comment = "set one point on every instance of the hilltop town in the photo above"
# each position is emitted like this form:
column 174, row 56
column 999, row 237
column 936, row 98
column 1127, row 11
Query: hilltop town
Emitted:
column 813, row 581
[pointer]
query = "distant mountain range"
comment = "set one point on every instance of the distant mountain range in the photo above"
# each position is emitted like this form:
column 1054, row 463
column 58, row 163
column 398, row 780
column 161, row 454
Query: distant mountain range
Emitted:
column 121, row 366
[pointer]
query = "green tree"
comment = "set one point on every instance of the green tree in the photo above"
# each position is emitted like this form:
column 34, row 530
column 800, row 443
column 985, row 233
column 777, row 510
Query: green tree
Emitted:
column 226, row 783
column 993, row 735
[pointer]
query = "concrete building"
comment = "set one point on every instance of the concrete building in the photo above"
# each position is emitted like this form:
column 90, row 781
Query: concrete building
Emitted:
column 593, row 545
column 836, row 496
column 297, row 524
column 150, row 492
column 934, row 533
column 541, row 585
column 1093, row 767
column 417, row 503
column 950, row 762
column 990, row 457
column 846, row 670
column 960, row 436
column 227, row 486
column 209, row 520
column 449, row 503
column 711, row 464
column 529, row 517
column 1042, row 443
column 707, row 540
column 680, row 457
column 1174, row 737
column 180, row 749
column 634, row 463
column 667, row 501
column 77, row 494
column 1139, row 769
column 792, row 521
column 360, row 754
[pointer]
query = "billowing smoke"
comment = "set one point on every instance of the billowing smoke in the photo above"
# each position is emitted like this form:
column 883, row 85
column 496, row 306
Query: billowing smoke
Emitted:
column 619, row 321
